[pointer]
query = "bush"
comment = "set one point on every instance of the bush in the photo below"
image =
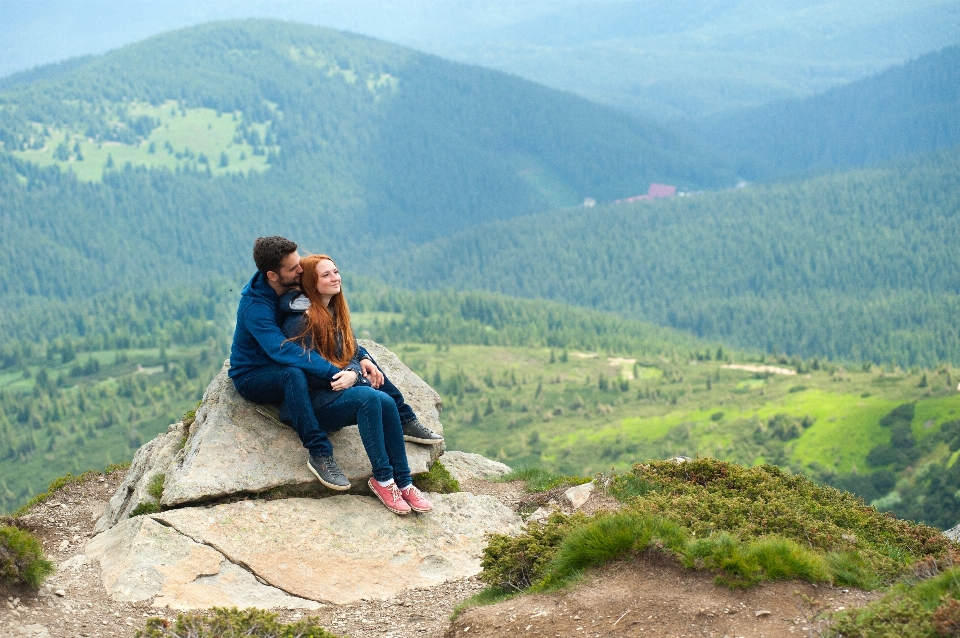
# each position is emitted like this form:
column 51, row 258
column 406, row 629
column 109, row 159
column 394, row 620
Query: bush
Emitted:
column 707, row 496
column 928, row 608
column 437, row 479
column 517, row 562
column 232, row 623
column 21, row 558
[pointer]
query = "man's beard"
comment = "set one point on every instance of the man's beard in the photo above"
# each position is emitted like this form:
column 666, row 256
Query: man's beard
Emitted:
column 293, row 282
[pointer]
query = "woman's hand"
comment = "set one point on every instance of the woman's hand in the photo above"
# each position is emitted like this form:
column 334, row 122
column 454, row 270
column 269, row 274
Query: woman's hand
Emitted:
column 344, row 379
column 371, row 373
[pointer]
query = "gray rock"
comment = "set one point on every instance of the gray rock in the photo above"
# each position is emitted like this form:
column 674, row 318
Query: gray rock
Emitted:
column 140, row 559
column 153, row 458
column 466, row 465
column 348, row 547
column 237, row 447
column 576, row 496
column 953, row 533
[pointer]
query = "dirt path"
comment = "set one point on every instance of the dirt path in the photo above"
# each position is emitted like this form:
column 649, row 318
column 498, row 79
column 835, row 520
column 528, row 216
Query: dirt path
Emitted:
column 651, row 596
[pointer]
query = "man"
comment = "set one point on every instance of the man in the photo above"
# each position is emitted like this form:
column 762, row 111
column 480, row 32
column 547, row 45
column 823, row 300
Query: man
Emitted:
column 266, row 368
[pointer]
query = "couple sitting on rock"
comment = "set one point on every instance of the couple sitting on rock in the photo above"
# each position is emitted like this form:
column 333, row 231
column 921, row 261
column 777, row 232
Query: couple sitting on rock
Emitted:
column 293, row 345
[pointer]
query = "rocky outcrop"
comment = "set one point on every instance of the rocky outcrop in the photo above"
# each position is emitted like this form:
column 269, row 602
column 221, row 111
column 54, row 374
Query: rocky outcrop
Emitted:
column 151, row 460
column 294, row 553
column 285, row 550
column 236, row 447
column 345, row 548
column 465, row 465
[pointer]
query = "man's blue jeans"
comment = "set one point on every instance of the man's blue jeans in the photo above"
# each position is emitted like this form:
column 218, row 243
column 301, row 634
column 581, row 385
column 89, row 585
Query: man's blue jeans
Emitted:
column 287, row 386
column 376, row 414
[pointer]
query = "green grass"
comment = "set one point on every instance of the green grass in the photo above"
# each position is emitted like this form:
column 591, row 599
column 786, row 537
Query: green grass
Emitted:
column 746, row 525
column 537, row 478
column 185, row 132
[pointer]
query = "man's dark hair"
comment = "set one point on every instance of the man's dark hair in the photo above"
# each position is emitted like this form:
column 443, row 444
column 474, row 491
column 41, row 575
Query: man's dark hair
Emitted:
column 269, row 252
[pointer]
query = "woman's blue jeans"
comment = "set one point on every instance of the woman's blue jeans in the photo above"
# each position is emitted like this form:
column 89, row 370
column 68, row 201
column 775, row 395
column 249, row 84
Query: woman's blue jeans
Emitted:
column 375, row 413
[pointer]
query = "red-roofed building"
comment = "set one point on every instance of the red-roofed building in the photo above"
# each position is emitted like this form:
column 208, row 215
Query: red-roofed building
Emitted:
column 655, row 191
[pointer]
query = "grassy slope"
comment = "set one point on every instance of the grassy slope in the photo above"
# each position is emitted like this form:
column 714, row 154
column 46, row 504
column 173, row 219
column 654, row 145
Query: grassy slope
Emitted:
column 178, row 141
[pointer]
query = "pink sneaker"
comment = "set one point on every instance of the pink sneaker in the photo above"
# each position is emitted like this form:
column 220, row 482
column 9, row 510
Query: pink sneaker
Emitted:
column 415, row 500
column 390, row 496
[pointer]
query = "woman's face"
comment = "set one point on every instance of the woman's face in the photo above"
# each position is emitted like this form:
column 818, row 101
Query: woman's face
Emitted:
column 328, row 279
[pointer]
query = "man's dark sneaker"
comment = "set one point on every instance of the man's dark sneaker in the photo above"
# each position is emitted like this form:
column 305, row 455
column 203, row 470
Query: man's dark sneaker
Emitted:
column 326, row 469
column 414, row 431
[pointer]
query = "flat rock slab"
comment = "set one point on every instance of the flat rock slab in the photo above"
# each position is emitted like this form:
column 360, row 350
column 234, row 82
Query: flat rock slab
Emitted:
column 345, row 548
column 238, row 447
column 466, row 465
column 141, row 559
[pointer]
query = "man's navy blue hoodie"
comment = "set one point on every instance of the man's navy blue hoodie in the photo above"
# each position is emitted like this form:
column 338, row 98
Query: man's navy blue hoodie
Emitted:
column 258, row 340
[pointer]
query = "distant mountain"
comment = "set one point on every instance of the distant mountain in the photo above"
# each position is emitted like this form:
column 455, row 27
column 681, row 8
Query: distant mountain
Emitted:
column 176, row 152
column 907, row 109
column 659, row 58
column 858, row 265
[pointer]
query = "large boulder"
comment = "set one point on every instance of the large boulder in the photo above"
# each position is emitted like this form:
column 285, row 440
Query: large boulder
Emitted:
column 338, row 550
column 235, row 447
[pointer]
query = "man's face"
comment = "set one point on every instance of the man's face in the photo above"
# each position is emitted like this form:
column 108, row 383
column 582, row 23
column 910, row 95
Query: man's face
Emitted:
column 289, row 273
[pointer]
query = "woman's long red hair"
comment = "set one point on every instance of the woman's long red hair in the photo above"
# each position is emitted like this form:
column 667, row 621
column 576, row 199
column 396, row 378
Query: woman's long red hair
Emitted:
column 321, row 327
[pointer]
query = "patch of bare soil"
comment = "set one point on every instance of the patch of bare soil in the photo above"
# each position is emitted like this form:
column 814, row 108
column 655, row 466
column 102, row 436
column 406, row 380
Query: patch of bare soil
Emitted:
column 655, row 596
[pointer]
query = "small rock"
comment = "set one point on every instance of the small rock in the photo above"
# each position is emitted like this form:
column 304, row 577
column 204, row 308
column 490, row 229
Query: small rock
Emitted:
column 60, row 593
column 578, row 495
column 760, row 613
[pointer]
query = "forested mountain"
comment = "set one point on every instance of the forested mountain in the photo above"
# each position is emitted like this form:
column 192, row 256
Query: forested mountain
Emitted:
column 857, row 265
column 166, row 158
column 907, row 109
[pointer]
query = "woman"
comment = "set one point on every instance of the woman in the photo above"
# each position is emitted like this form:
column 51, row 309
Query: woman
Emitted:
column 320, row 321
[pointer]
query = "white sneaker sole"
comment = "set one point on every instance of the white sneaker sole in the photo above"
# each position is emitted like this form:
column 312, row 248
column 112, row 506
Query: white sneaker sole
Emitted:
column 413, row 439
column 332, row 486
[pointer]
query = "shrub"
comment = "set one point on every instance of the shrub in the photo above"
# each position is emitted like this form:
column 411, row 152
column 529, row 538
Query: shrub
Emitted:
column 516, row 562
column 232, row 623
column 437, row 479
column 928, row 608
column 707, row 496
column 21, row 558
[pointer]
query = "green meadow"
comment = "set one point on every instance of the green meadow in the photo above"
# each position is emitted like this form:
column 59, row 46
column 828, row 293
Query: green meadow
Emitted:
column 192, row 139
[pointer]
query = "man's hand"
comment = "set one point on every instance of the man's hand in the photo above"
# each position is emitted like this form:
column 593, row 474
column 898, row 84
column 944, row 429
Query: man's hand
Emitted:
column 344, row 379
column 371, row 373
